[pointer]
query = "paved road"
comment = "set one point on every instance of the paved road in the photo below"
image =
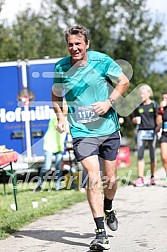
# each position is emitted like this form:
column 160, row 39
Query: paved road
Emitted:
column 142, row 214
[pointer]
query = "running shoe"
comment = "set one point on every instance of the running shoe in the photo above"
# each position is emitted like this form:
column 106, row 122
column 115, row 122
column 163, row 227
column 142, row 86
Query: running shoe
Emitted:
column 111, row 220
column 139, row 182
column 152, row 181
column 101, row 241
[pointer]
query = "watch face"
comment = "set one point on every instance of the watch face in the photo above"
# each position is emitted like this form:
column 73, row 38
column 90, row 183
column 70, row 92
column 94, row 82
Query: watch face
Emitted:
column 112, row 101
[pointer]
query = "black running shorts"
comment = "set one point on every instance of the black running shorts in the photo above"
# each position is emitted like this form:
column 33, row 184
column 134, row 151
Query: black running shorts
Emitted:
column 105, row 147
column 164, row 137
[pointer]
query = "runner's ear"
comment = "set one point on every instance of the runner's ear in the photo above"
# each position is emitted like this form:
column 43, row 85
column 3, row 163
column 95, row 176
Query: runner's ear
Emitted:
column 87, row 44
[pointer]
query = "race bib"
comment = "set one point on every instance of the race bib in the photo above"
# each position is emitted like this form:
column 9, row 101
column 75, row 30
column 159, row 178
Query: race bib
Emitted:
column 147, row 134
column 165, row 126
column 85, row 114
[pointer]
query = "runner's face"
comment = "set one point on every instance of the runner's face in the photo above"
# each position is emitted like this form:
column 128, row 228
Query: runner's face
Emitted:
column 77, row 48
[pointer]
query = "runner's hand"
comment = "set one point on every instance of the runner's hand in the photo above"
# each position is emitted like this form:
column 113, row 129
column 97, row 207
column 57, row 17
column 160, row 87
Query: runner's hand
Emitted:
column 101, row 107
column 62, row 126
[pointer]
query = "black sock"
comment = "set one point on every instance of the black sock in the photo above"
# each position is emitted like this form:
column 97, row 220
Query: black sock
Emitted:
column 107, row 204
column 99, row 222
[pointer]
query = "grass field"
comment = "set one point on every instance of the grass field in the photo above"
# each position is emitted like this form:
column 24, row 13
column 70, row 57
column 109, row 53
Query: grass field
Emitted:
column 49, row 201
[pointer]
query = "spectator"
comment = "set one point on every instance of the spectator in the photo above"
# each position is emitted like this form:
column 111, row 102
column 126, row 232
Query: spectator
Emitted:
column 162, row 124
column 53, row 145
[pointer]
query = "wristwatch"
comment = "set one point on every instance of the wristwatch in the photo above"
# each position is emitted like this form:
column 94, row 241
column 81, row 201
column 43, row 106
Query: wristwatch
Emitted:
column 111, row 101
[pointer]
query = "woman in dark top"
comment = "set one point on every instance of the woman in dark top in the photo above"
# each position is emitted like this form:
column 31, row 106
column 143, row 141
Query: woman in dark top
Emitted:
column 162, row 123
column 145, row 116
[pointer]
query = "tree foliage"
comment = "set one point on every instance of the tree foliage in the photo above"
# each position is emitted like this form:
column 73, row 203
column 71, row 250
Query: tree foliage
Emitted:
column 124, row 29
column 121, row 28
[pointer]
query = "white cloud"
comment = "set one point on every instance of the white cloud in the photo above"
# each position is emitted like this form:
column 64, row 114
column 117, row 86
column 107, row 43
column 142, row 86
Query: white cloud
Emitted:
column 9, row 12
column 157, row 5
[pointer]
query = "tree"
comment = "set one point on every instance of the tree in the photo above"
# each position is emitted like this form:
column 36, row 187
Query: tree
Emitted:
column 138, row 38
column 6, row 41
column 123, row 29
column 1, row 4
column 36, row 37
column 31, row 36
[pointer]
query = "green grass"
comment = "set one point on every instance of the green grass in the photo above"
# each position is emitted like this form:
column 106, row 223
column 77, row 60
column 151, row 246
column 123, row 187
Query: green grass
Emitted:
column 11, row 221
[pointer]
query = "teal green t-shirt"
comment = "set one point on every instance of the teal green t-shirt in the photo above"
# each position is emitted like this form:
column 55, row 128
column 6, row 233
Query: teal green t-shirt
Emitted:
column 85, row 85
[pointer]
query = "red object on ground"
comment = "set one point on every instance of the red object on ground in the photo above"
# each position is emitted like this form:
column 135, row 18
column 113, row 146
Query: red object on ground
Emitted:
column 123, row 157
column 8, row 157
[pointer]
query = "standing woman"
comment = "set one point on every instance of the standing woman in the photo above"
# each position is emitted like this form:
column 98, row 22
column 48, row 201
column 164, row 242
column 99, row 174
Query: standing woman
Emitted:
column 162, row 123
column 145, row 117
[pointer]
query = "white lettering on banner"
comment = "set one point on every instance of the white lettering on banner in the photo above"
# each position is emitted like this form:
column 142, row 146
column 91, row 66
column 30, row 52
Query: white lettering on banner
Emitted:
column 18, row 114
column 10, row 116
column 2, row 115
column 39, row 113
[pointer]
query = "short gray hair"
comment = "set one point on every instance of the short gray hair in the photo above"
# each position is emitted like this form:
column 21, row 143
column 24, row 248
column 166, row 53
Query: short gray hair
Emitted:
column 77, row 30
